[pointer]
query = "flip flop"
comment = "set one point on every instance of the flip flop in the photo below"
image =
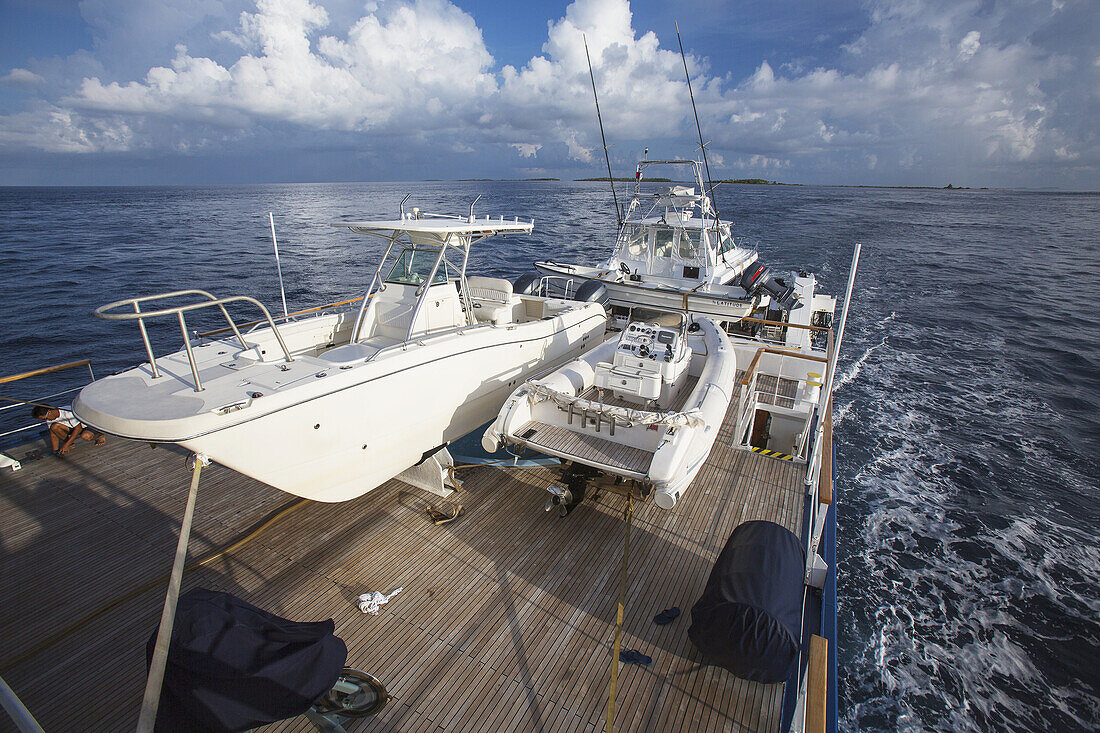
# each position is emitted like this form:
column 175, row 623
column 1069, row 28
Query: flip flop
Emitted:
column 666, row 616
column 631, row 656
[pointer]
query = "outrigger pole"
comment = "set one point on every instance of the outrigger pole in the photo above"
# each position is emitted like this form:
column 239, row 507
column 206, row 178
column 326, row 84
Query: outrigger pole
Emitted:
column 702, row 145
column 606, row 157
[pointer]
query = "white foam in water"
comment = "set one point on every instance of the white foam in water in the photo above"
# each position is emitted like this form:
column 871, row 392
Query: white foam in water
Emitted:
column 943, row 566
column 853, row 371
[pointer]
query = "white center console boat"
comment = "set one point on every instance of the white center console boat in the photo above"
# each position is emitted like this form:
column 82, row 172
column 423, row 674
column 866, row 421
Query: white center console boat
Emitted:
column 331, row 405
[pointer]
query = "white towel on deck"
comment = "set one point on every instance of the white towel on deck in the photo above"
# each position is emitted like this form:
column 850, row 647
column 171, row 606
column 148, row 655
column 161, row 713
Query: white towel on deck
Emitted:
column 369, row 602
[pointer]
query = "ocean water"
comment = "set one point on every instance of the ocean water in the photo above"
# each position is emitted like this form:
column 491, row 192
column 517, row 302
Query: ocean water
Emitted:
column 968, row 392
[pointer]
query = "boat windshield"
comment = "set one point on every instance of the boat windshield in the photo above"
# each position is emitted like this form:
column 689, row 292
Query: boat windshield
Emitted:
column 663, row 243
column 636, row 240
column 669, row 319
column 726, row 242
column 414, row 266
column 689, row 244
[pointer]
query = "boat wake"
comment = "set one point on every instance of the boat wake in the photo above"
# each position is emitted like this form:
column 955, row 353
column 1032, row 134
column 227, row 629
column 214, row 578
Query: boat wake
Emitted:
column 853, row 371
column 972, row 589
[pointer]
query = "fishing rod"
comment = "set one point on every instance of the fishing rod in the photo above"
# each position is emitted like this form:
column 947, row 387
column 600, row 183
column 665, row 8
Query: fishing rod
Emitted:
column 702, row 145
column 606, row 156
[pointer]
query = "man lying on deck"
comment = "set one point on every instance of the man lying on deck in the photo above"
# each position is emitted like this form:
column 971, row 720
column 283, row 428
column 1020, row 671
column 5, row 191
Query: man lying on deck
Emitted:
column 65, row 428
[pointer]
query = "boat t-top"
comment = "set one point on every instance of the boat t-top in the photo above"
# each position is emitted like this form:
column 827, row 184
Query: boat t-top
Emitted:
column 673, row 252
column 330, row 405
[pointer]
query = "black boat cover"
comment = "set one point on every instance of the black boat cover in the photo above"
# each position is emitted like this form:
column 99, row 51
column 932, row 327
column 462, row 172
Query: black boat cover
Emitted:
column 232, row 666
column 748, row 619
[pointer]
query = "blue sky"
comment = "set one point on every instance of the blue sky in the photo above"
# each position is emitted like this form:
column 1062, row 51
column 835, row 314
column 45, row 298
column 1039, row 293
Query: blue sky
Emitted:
column 894, row 92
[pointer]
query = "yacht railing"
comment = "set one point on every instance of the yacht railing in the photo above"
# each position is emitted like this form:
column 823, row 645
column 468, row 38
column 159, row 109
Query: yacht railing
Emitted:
column 547, row 282
column 811, row 699
column 46, row 400
column 280, row 319
column 140, row 316
column 749, row 397
column 824, row 410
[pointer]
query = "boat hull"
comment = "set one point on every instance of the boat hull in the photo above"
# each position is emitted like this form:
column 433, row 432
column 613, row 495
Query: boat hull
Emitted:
column 343, row 432
column 721, row 302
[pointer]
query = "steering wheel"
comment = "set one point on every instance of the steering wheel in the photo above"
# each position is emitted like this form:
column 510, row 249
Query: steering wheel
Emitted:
column 624, row 268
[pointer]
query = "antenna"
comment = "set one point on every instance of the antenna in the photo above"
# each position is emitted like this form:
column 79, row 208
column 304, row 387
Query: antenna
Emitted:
column 279, row 267
column 702, row 145
column 610, row 178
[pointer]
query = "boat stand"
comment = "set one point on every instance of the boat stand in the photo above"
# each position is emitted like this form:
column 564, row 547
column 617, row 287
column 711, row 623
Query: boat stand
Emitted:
column 434, row 473
column 155, row 680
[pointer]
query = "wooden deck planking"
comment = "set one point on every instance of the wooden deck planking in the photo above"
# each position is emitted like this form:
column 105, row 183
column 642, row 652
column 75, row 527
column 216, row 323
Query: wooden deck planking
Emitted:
column 504, row 624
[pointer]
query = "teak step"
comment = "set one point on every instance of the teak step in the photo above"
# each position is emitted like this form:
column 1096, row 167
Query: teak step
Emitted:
column 584, row 446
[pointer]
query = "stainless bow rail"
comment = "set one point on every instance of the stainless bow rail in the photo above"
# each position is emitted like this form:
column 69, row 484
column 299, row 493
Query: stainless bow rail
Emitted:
column 140, row 316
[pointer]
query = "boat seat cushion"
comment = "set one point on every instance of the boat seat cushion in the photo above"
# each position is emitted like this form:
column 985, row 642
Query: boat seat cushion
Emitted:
column 492, row 299
column 490, row 289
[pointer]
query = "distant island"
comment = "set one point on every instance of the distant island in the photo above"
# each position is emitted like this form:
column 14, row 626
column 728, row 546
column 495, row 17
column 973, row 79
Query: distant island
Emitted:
column 498, row 180
column 626, row 180
column 751, row 181
column 757, row 181
column 765, row 182
column 725, row 181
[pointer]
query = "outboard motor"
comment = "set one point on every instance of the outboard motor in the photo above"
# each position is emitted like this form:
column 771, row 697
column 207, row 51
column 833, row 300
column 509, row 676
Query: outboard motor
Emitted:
column 567, row 498
column 526, row 284
column 592, row 291
column 758, row 277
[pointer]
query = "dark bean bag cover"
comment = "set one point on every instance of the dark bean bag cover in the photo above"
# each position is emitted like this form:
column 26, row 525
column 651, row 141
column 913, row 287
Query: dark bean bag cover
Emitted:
column 748, row 619
column 232, row 666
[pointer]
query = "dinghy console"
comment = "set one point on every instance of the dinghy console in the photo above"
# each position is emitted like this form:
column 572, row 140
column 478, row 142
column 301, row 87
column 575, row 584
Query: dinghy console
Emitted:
column 649, row 360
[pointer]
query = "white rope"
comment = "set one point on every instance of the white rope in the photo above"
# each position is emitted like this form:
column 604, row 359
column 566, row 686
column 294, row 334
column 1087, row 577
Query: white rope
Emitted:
column 537, row 392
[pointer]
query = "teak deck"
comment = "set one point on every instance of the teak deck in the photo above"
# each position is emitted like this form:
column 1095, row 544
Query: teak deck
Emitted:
column 506, row 618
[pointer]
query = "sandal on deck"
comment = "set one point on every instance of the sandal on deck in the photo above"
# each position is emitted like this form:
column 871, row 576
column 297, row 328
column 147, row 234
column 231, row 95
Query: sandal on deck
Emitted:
column 631, row 656
column 666, row 616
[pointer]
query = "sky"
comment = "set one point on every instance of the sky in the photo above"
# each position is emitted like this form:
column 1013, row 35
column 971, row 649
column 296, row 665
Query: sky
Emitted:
column 994, row 93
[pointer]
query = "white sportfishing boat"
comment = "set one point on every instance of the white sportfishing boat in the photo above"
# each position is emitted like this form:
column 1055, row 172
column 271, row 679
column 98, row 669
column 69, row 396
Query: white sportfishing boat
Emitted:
column 645, row 405
column 667, row 257
column 329, row 406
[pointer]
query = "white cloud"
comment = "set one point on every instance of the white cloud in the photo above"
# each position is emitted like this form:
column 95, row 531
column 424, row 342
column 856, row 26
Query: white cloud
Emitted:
column 970, row 44
column 641, row 86
column 418, row 60
column 22, row 78
column 59, row 130
column 913, row 83
column 527, row 150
